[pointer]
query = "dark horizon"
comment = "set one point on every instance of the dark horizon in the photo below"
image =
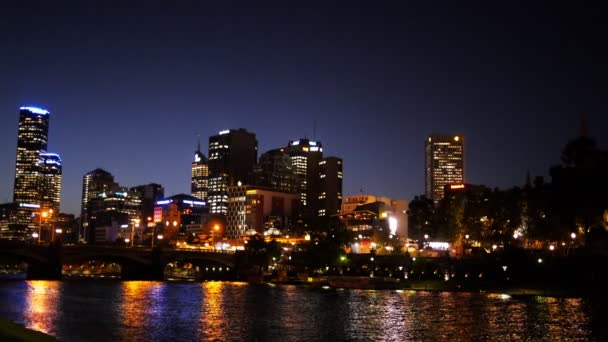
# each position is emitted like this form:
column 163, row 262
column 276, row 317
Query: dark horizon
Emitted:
column 129, row 88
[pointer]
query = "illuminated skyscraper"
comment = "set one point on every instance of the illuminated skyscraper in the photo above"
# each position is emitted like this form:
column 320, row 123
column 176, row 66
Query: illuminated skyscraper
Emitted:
column 50, row 181
column 330, row 185
column 444, row 164
column 32, row 141
column 305, row 157
column 200, row 175
column 37, row 173
column 232, row 157
column 93, row 183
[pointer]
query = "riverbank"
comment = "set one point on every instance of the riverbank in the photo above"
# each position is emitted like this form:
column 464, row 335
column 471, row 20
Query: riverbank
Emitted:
column 10, row 331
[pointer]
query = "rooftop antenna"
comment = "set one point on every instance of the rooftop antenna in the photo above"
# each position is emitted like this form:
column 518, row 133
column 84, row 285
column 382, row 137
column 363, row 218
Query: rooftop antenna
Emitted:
column 199, row 142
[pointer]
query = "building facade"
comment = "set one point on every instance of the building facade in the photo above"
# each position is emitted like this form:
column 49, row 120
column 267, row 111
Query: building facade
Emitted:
column 232, row 157
column 276, row 171
column 200, row 175
column 149, row 194
column 111, row 210
column 259, row 208
column 392, row 208
column 179, row 215
column 93, row 183
column 305, row 158
column 32, row 141
column 50, row 181
column 444, row 164
column 330, row 186
column 37, row 183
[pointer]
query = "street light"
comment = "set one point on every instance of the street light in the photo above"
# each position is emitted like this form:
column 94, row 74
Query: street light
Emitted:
column 216, row 228
column 573, row 236
column 159, row 236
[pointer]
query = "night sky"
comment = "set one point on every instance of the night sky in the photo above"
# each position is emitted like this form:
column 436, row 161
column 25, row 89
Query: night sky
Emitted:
column 130, row 87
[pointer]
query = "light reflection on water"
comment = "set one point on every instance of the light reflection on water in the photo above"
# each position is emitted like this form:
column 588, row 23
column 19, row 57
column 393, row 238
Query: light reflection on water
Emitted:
column 156, row 311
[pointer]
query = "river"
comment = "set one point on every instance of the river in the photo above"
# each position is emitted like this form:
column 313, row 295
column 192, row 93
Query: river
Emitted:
column 163, row 311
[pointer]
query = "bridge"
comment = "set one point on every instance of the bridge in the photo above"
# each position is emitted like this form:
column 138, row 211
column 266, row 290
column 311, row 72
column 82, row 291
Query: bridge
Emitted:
column 45, row 261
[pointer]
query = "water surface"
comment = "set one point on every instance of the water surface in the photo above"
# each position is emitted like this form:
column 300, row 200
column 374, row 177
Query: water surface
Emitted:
column 162, row 311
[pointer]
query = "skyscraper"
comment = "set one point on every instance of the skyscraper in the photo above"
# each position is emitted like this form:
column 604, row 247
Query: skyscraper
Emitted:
column 200, row 175
column 49, row 185
column 149, row 194
column 232, row 157
column 37, row 173
column 305, row 157
column 330, row 185
column 32, row 140
column 444, row 164
column 275, row 171
column 93, row 183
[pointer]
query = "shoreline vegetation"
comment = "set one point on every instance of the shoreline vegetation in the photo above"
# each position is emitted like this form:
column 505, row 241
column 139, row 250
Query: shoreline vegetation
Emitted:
column 10, row 331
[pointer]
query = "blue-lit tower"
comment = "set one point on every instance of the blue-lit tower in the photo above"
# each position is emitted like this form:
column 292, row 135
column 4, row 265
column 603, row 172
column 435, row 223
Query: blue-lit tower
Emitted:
column 32, row 140
column 37, row 187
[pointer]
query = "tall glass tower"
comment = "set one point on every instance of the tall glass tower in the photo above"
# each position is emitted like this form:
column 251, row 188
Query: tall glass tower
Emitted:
column 49, row 185
column 32, row 141
column 37, row 187
column 444, row 164
column 200, row 175
column 233, row 155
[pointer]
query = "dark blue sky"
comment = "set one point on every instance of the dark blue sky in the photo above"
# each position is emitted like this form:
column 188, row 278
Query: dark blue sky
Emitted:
column 129, row 87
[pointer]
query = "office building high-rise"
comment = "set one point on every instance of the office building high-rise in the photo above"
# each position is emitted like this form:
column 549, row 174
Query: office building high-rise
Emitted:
column 32, row 141
column 276, row 171
column 200, row 175
column 149, row 194
column 444, row 164
column 93, row 183
column 37, row 173
column 232, row 157
column 305, row 157
column 330, row 186
column 49, row 184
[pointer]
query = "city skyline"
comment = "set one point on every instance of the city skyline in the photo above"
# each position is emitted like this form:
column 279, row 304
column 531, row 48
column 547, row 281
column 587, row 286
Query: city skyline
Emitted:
column 388, row 81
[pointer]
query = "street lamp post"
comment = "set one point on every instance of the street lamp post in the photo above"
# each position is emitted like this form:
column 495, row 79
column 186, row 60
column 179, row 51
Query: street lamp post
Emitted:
column 216, row 228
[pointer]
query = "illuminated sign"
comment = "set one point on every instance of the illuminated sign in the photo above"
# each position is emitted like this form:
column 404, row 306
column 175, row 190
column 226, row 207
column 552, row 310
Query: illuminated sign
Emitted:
column 197, row 158
column 314, row 149
column 439, row 245
column 28, row 205
column 194, row 202
column 35, row 110
column 123, row 194
column 251, row 192
column 295, row 143
column 392, row 225
column 457, row 186
column 158, row 214
column 163, row 202
column 224, row 132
